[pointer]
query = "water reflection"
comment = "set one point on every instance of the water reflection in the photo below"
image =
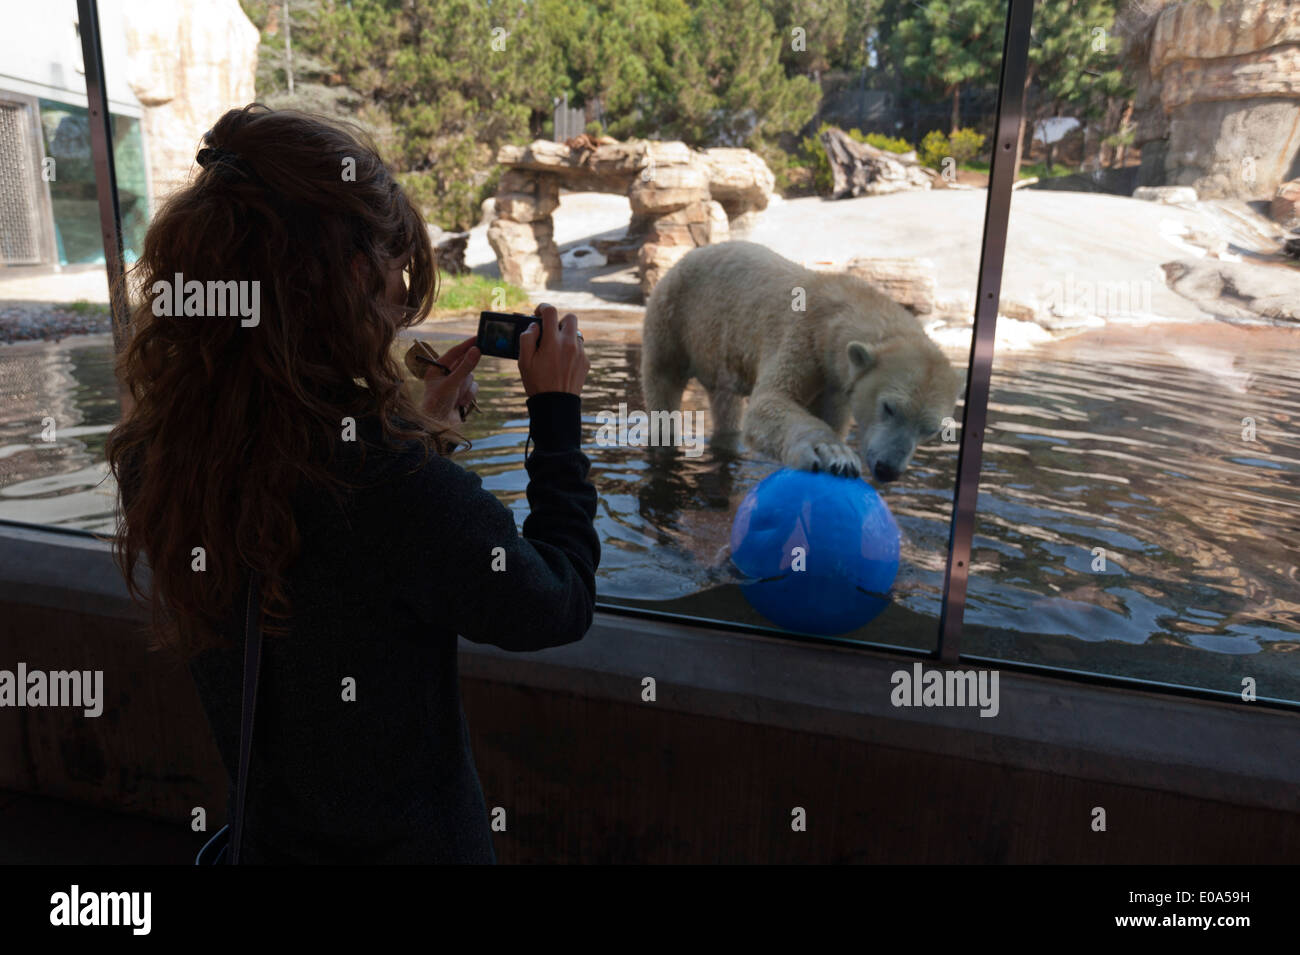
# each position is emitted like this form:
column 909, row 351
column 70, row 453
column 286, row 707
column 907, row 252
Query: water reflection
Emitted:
column 1174, row 451
column 64, row 392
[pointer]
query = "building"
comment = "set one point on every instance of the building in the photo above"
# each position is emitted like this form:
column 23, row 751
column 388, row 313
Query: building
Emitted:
column 48, row 209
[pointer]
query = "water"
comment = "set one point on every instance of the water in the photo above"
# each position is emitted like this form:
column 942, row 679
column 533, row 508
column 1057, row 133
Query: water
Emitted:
column 1129, row 441
column 62, row 481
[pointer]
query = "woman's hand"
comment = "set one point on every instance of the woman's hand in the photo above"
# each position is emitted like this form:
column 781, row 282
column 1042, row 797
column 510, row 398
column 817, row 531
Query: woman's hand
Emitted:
column 557, row 362
column 446, row 394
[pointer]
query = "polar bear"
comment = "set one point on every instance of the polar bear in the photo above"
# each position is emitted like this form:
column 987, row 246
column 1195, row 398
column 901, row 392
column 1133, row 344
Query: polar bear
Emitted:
column 808, row 349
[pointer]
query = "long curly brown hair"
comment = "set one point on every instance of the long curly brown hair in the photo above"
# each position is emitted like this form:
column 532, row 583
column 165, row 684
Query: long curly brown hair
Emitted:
column 224, row 418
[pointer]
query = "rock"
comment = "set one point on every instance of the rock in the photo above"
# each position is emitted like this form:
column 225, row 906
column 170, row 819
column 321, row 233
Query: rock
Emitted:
column 540, row 155
column 739, row 179
column 668, row 188
column 1218, row 93
column 527, row 198
column 719, row 224
column 1238, row 291
column 618, row 251
column 526, row 252
column 741, row 225
column 687, row 226
column 1199, row 31
column 35, row 321
column 188, row 61
column 908, row 281
column 1285, row 207
column 654, row 261
column 859, row 169
column 449, row 250
column 1169, row 195
column 620, row 161
column 1017, row 310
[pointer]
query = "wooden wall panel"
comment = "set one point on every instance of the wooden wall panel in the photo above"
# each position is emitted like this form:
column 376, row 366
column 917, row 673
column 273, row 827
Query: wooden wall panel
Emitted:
column 586, row 780
column 603, row 782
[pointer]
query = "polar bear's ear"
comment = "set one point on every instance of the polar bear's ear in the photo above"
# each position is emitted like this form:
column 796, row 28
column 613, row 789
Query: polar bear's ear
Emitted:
column 861, row 357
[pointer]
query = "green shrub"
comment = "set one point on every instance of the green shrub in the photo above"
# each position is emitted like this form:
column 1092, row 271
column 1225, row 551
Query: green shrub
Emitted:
column 966, row 145
column 888, row 143
column 963, row 146
column 934, row 149
column 787, row 169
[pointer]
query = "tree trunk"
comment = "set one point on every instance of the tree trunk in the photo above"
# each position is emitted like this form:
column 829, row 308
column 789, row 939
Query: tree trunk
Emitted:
column 1123, row 123
column 1024, row 122
column 956, row 107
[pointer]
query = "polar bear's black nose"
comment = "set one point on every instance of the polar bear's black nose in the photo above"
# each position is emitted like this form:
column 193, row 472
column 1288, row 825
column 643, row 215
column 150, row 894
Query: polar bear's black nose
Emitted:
column 885, row 472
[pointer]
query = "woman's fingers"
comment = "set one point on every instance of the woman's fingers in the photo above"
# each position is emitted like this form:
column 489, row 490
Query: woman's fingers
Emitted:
column 462, row 369
column 569, row 328
column 551, row 354
column 550, row 322
column 528, row 346
column 456, row 352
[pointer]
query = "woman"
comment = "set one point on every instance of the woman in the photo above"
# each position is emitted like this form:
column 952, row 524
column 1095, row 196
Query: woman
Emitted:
column 285, row 445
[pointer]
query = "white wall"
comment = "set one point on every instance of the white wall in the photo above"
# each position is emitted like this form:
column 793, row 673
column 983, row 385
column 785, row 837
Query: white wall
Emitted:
column 40, row 54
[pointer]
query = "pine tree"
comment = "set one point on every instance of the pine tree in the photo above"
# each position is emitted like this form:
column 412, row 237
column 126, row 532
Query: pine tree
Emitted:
column 1074, row 57
column 946, row 45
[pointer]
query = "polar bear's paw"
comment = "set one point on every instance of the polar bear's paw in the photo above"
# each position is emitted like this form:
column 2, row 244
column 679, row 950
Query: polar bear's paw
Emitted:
column 832, row 456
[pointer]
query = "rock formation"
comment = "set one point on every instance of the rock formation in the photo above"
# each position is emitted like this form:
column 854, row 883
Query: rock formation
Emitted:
column 189, row 62
column 1218, row 94
column 911, row 282
column 680, row 199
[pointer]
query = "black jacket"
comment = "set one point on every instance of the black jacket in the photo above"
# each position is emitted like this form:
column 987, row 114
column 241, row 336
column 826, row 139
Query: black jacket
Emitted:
column 382, row 588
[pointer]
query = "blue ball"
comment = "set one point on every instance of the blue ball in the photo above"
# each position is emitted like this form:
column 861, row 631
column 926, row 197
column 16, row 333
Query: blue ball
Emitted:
column 819, row 553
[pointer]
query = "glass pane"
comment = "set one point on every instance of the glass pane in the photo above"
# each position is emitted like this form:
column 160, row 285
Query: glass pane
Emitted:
column 66, row 134
column 58, row 399
column 1139, row 498
column 670, row 522
column 700, row 124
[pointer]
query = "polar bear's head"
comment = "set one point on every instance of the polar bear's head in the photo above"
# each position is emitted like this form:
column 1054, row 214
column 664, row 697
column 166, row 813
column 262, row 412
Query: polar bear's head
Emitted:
column 900, row 391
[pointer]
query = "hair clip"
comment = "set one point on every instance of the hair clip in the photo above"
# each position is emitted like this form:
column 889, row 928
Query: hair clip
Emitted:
column 210, row 156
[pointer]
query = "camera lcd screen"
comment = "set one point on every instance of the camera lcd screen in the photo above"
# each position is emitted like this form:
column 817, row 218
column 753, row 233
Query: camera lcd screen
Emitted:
column 499, row 337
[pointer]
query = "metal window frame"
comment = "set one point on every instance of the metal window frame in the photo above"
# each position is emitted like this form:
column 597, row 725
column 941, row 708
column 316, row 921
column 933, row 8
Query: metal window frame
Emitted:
column 101, row 151
column 1009, row 126
column 997, row 212
column 44, row 210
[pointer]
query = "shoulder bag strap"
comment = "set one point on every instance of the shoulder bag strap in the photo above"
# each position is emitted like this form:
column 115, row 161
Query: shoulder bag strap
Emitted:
column 252, row 665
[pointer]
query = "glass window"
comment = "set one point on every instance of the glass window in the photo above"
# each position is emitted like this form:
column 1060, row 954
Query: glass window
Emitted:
column 1139, row 498
column 58, row 398
column 66, row 134
column 1138, row 489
